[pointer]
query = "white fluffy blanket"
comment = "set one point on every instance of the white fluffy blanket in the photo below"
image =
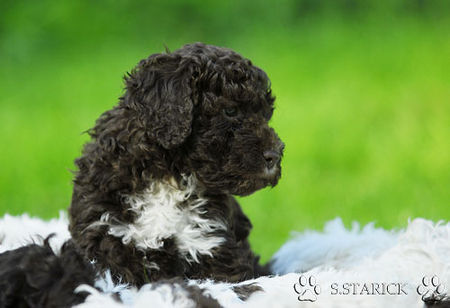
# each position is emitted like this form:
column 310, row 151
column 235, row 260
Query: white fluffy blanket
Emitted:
column 360, row 267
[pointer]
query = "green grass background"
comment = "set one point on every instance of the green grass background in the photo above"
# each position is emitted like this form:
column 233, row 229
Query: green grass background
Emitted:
column 363, row 100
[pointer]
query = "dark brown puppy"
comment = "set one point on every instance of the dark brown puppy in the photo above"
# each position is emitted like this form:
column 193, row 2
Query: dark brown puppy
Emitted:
column 153, row 194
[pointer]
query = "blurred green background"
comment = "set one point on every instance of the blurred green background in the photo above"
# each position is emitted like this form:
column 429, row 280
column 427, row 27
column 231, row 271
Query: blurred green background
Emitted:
column 363, row 99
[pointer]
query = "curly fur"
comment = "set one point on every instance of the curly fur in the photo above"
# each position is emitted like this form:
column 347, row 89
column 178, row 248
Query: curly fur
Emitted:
column 153, row 194
column 34, row 276
column 175, row 292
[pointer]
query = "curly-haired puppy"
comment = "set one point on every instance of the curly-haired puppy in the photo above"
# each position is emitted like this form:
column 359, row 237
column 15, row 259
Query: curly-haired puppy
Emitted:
column 153, row 194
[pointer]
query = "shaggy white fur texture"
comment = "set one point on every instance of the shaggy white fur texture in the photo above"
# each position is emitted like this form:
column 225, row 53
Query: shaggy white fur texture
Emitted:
column 165, row 210
column 311, row 248
column 165, row 295
column 17, row 231
column 336, row 258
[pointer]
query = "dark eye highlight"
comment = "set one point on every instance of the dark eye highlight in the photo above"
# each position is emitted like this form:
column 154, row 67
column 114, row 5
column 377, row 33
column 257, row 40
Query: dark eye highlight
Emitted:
column 231, row 111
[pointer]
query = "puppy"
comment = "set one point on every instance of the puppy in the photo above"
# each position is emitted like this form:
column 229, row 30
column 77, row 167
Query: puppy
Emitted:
column 153, row 194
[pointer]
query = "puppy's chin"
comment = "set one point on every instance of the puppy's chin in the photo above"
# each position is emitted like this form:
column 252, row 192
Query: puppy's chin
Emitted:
column 272, row 175
column 238, row 184
column 249, row 186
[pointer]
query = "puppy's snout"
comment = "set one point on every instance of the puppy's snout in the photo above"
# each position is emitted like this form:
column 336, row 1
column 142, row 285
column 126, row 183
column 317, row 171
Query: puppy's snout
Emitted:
column 272, row 158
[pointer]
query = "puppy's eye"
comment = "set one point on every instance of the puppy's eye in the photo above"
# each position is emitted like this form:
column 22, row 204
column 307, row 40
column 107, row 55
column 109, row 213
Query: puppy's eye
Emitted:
column 231, row 111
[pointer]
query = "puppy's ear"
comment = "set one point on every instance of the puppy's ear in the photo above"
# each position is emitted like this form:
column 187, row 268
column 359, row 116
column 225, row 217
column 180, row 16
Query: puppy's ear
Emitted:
column 162, row 88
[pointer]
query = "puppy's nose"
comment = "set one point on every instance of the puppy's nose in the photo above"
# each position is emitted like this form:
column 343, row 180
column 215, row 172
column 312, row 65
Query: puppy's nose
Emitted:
column 272, row 158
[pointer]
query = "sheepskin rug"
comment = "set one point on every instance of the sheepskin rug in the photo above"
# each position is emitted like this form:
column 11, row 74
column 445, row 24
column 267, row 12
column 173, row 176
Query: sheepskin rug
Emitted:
column 338, row 267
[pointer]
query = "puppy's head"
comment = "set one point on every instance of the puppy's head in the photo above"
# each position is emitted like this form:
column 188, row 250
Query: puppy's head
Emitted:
column 209, row 108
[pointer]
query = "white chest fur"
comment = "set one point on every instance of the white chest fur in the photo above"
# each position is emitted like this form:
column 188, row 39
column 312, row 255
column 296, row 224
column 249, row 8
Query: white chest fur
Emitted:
column 167, row 211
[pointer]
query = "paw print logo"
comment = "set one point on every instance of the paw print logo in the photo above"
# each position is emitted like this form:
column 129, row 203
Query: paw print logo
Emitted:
column 307, row 289
column 430, row 288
